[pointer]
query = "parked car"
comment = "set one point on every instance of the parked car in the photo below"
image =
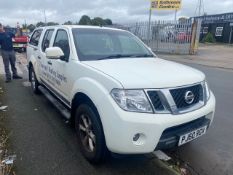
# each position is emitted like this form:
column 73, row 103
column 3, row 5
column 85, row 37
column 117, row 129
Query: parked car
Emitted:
column 183, row 37
column 120, row 96
column 20, row 40
column 164, row 34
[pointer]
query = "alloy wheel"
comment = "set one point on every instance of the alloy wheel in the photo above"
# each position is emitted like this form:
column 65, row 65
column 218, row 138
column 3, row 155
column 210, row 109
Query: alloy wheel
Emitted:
column 87, row 135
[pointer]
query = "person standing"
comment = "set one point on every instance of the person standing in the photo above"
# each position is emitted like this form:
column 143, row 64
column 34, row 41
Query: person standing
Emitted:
column 8, row 54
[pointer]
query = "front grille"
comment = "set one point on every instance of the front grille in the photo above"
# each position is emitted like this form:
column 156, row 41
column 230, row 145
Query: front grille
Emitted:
column 179, row 95
column 178, row 100
column 154, row 97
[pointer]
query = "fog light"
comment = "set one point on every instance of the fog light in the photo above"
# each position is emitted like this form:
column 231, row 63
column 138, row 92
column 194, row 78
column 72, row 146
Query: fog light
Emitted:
column 136, row 137
column 139, row 139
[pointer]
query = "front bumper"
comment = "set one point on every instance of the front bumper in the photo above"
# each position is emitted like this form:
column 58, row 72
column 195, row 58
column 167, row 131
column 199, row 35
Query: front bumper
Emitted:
column 170, row 136
column 19, row 45
column 121, row 127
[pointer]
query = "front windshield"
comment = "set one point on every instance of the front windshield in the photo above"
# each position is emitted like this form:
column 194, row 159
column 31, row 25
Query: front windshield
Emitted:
column 99, row 44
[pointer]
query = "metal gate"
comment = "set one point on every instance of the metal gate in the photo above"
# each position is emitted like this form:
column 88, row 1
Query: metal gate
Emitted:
column 168, row 36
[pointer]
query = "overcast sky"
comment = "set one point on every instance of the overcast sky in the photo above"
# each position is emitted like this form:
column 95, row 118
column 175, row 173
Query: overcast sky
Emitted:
column 13, row 11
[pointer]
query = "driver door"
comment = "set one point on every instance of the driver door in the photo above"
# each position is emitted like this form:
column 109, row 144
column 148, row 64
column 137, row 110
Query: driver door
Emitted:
column 60, row 66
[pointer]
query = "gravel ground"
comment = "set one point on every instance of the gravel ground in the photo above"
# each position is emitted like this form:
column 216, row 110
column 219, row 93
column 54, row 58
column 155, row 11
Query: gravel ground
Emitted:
column 6, row 156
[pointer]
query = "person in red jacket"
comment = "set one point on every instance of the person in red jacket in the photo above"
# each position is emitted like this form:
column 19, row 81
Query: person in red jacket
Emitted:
column 8, row 54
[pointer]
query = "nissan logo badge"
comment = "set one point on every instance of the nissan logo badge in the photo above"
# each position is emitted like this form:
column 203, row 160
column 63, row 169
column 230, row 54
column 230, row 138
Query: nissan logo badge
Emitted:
column 189, row 97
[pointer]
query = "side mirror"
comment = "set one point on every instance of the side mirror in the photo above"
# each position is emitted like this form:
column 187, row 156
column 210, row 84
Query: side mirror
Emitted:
column 54, row 53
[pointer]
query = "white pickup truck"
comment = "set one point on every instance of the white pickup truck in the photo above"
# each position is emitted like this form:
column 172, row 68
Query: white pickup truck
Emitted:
column 121, row 97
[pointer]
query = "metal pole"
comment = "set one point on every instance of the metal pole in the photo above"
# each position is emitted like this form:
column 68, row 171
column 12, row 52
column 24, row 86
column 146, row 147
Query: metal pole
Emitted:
column 175, row 14
column 199, row 8
column 149, row 25
column 45, row 20
column 25, row 22
column 230, row 36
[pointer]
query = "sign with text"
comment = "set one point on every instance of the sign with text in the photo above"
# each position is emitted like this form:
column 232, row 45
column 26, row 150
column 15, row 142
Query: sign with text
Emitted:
column 218, row 31
column 166, row 4
column 209, row 19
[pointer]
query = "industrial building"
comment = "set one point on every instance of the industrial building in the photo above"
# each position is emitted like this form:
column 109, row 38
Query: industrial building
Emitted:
column 220, row 25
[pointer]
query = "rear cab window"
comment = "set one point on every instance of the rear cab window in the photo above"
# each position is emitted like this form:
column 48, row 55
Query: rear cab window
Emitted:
column 34, row 41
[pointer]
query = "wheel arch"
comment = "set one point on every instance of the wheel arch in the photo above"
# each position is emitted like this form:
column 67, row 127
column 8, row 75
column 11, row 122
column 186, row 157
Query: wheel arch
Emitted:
column 82, row 98
column 87, row 90
column 33, row 64
column 78, row 99
column 96, row 91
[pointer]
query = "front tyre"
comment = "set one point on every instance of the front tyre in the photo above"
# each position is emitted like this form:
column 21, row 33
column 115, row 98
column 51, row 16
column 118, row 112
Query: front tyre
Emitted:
column 33, row 80
column 90, row 133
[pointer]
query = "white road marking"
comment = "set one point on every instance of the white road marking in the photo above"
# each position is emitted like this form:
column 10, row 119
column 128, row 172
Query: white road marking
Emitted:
column 161, row 155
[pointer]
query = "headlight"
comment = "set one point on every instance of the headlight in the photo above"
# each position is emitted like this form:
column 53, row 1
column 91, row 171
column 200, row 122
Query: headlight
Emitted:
column 207, row 91
column 132, row 100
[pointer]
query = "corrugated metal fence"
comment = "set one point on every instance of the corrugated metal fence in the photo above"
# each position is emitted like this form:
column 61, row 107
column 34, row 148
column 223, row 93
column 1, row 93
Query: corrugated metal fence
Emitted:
column 167, row 36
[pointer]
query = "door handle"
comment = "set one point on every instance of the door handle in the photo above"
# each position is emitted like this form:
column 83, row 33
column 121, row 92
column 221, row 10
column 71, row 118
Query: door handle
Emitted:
column 49, row 62
column 35, row 49
column 39, row 57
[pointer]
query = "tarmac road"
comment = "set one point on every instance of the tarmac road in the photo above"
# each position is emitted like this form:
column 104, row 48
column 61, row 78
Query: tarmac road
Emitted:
column 213, row 153
column 45, row 144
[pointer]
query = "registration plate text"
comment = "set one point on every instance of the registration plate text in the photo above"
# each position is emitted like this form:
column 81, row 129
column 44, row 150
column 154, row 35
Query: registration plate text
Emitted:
column 192, row 135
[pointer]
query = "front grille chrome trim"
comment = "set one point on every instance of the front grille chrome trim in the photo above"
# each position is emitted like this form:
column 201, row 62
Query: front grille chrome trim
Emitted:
column 169, row 104
column 168, row 100
column 165, row 111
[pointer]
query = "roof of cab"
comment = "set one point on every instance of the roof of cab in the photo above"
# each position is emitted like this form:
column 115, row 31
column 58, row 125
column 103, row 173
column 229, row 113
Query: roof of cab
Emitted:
column 79, row 26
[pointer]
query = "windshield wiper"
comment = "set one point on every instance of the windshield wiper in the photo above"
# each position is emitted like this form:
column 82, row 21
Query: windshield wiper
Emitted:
column 141, row 55
column 125, row 56
column 114, row 56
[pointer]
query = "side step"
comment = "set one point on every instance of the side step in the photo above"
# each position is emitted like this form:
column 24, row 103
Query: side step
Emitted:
column 64, row 111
